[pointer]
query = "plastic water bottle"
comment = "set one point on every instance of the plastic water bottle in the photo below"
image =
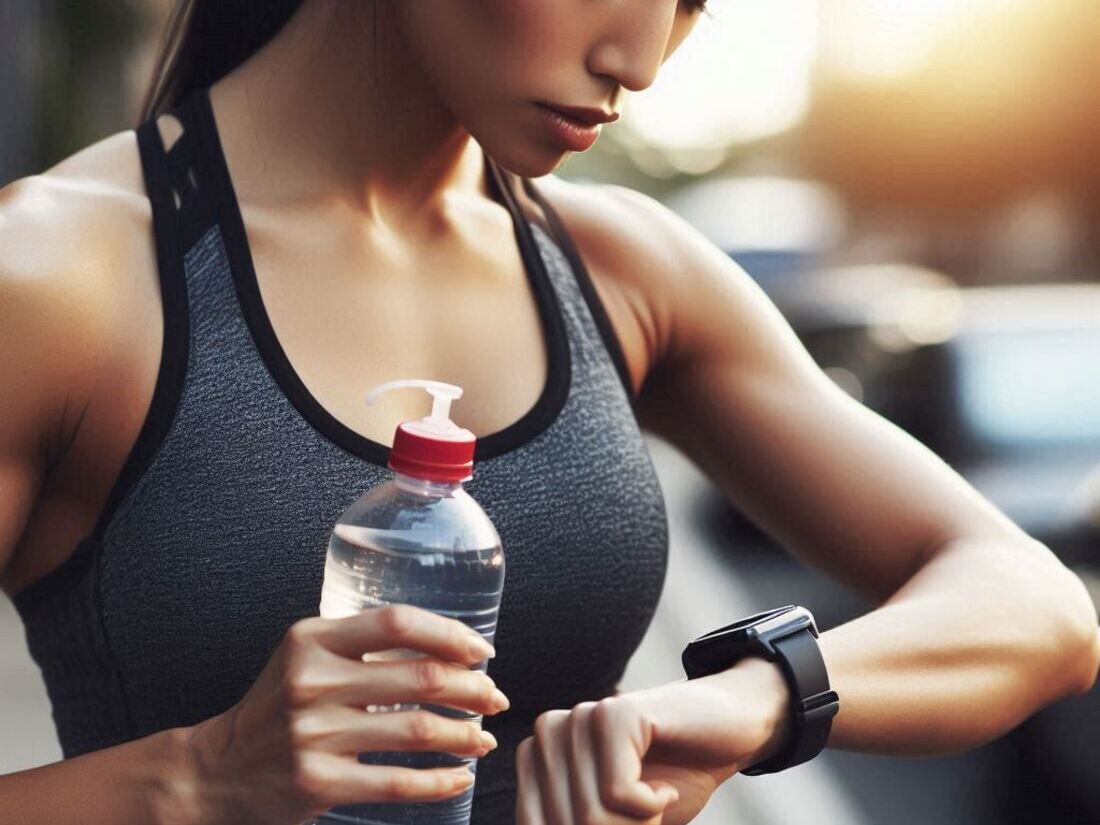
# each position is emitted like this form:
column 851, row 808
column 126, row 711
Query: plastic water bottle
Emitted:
column 417, row 539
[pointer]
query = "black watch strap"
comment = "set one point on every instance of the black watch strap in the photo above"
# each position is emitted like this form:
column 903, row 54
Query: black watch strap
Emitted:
column 813, row 704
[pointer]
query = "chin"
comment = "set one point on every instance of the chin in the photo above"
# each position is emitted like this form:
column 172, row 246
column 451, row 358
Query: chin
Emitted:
column 534, row 162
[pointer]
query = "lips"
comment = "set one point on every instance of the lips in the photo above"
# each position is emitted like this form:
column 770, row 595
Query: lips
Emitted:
column 583, row 116
column 567, row 132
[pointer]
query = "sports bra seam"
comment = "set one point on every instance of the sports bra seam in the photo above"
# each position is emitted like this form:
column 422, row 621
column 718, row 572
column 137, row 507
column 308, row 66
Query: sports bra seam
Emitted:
column 172, row 372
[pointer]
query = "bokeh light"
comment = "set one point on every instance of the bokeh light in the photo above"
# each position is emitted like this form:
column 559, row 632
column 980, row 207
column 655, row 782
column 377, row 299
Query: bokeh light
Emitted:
column 744, row 74
column 889, row 38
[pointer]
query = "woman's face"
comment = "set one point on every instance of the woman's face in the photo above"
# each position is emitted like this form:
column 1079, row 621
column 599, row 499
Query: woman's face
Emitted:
column 491, row 60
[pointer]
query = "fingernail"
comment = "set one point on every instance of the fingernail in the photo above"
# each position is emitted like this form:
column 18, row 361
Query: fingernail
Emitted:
column 488, row 740
column 481, row 648
column 500, row 700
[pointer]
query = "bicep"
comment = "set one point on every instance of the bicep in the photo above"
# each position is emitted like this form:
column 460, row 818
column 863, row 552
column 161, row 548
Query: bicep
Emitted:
column 22, row 435
column 48, row 342
column 838, row 485
column 20, row 479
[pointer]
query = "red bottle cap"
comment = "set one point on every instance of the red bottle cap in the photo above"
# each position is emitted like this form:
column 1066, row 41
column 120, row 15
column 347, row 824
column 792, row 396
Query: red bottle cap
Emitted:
column 429, row 455
column 433, row 447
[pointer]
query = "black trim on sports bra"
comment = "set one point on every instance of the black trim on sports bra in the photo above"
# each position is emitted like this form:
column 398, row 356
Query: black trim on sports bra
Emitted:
column 173, row 293
column 559, row 367
column 169, row 219
column 584, row 280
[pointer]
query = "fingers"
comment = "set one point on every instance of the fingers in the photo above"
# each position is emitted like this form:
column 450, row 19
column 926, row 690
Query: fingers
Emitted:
column 552, row 768
column 621, row 737
column 528, row 799
column 336, row 780
column 585, row 766
column 422, row 680
column 345, row 730
column 586, row 781
column 583, row 774
column 397, row 626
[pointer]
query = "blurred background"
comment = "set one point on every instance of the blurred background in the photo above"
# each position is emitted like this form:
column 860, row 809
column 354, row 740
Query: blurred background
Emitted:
column 913, row 183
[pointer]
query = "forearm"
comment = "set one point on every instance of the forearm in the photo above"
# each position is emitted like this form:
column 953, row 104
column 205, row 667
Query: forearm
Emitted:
column 135, row 782
column 985, row 634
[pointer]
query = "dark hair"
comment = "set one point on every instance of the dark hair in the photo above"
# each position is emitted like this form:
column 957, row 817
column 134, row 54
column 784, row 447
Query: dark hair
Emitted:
column 203, row 40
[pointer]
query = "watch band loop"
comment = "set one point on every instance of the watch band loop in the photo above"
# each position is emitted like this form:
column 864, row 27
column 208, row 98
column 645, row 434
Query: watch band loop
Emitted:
column 820, row 706
column 813, row 706
column 786, row 636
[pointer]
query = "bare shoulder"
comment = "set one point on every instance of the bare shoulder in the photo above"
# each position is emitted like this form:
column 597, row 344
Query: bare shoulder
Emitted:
column 80, row 215
column 75, row 259
column 643, row 259
column 80, row 332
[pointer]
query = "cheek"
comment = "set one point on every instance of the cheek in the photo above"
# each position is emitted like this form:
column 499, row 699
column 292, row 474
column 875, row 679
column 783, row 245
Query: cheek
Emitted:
column 529, row 21
column 683, row 27
column 463, row 44
column 531, row 39
column 481, row 50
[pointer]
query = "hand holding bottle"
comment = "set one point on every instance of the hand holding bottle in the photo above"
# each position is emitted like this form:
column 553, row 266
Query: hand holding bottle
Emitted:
column 287, row 750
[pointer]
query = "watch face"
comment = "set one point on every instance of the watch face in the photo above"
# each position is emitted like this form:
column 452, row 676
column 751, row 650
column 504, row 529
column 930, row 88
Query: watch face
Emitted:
column 786, row 622
column 742, row 624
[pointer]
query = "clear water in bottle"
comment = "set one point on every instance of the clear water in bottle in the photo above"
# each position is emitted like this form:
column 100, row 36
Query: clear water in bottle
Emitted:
column 429, row 544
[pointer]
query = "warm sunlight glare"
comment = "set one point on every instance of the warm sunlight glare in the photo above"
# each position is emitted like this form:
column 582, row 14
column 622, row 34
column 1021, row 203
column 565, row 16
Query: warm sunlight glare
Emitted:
column 889, row 38
column 743, row 74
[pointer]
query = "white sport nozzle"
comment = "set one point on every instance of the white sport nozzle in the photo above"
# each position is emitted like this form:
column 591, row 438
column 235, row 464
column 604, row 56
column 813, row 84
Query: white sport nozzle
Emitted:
column 439, row 420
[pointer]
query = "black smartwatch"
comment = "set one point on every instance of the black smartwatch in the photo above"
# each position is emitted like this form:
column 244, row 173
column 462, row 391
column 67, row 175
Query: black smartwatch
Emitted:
column 788, row 637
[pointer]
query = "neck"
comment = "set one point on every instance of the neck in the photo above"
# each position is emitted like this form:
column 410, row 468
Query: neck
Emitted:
column 336, row 103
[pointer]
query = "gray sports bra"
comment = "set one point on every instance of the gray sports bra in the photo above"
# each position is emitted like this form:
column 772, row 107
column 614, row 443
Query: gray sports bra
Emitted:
column 213, row 539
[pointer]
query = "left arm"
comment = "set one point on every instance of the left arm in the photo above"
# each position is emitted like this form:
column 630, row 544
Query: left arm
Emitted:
column 977, row 624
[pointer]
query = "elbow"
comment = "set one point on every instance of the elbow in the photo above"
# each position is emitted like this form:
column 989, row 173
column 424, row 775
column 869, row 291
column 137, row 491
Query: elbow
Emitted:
column 1081, row 649
column 1064, row 625
column 1093, row 659
column 1088, row 659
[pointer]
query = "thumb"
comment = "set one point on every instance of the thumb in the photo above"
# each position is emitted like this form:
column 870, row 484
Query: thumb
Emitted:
column 667, row 794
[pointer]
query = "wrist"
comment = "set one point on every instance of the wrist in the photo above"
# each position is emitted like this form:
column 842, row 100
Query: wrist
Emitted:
column 761, row 683
column 174, row 797
column 190, row 794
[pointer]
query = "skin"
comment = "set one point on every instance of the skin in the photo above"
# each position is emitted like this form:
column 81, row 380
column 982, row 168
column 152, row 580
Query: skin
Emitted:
column 378, row 192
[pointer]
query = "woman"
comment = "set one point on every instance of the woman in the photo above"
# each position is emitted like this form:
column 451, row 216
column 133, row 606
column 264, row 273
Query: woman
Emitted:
column 327, row 195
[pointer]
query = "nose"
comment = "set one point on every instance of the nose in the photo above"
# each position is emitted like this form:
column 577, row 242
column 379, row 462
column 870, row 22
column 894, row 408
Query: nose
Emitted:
column 633, row 42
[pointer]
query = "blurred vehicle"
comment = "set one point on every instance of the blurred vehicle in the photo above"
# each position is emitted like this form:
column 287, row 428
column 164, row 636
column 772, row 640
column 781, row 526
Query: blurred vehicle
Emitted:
column 776, row 228
column 1022, row 418
column 998, row 381
column 865, row 325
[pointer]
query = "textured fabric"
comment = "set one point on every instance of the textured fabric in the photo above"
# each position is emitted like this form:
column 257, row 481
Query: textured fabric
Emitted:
column 168, row 616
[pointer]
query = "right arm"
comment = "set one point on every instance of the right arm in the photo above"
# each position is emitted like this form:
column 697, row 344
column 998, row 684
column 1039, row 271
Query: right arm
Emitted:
column 129, row 784
column 49, row 348
column 48, row 352
column 287, row 750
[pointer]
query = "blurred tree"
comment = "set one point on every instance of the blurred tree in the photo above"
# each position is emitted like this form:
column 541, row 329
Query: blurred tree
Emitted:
column 1004, row 103
column 82, row 93
column 20, row 35
column 65, row 87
